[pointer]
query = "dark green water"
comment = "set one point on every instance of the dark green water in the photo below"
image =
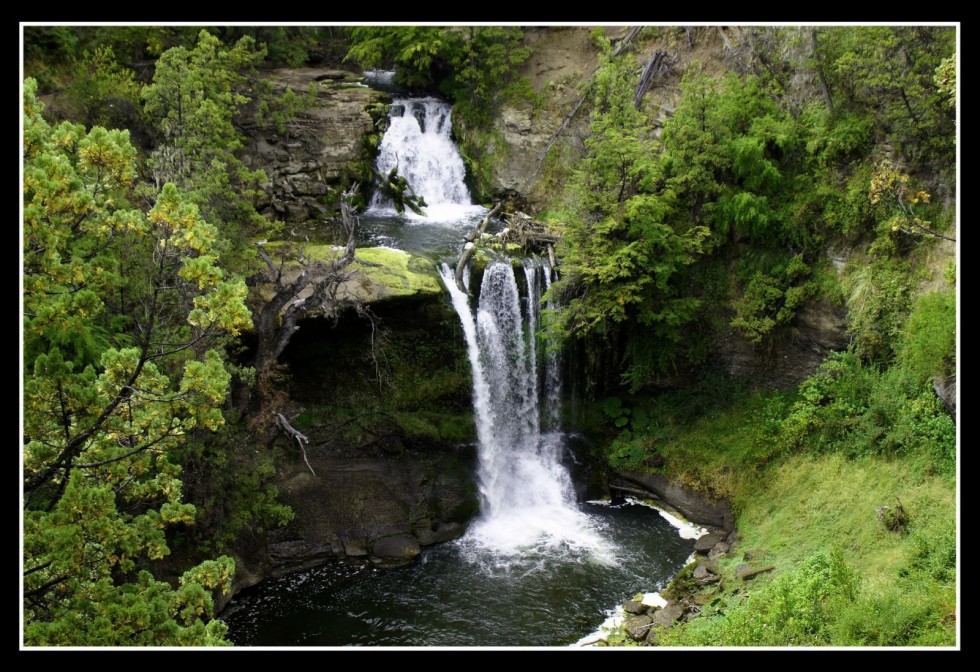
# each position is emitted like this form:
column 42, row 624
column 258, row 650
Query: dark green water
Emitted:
column 460, row 596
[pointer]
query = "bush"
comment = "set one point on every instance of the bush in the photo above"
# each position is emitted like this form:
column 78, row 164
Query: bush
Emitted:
column 928, row 346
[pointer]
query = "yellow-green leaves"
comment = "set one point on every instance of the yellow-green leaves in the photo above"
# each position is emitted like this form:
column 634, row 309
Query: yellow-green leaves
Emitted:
column 125, row 313
column 224, row 308
column 178, row 223
column 107, row 155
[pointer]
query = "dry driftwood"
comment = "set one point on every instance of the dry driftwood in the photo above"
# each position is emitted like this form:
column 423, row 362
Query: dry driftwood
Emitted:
column 470, row 248
column 301, row 439
column 631, row 33
column 527, row 233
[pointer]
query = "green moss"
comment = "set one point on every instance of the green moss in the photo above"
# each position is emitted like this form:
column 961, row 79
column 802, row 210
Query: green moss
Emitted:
column 398, row 272
column 380, row 272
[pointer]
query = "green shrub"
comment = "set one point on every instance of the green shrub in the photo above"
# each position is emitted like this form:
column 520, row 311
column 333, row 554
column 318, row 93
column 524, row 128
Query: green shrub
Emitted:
column 928, row 346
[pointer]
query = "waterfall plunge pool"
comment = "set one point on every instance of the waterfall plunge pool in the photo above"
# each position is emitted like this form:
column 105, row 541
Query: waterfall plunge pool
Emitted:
column 459, row 595
column 536, row 568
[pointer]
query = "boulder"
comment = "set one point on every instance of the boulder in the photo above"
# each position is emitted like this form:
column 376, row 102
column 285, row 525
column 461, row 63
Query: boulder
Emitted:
column 708, row 541
column 395, row 550
column 637, row 627
column 356, row 548
column 945, row 389
column 697, row 507
column 438, row 532
column 719, row 549
column 634, row 607
column 665, row 617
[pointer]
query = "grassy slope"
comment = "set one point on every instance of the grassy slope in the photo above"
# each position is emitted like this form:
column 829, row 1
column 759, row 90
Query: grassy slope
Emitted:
column 792, row 509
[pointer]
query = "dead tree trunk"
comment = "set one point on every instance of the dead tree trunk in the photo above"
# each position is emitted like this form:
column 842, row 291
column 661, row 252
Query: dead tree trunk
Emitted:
column 301, row 439
column 654, row 67
column 631, row 33
column 470, row 248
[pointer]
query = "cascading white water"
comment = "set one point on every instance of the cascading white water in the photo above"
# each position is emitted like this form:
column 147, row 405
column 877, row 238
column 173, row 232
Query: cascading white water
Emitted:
column 418, row 142
column 527, row 498
column 552, row 374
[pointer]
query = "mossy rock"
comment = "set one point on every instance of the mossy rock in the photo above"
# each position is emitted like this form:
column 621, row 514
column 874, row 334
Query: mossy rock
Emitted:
column 383, row 272
column 379, row 273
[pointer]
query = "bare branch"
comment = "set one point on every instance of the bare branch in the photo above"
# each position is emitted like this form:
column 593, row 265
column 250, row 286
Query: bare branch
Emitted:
column 301, row 438
column 471, row 246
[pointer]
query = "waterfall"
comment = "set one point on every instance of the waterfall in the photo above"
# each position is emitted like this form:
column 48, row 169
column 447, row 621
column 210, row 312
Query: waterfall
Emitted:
column 418, row 141
column 527, row 499
column 552, row 373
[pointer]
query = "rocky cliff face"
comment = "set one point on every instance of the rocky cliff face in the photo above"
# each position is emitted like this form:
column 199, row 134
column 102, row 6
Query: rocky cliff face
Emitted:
column 818, row 329
column 386, row 405
column 324, row 144
column 382, row 510
column 561, row 64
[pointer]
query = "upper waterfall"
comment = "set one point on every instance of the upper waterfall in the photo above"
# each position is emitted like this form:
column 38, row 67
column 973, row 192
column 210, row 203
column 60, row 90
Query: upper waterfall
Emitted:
column 419, row 143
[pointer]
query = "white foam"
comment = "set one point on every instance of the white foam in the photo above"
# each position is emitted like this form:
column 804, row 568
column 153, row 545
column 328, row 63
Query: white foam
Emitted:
column 685, row 528
column 654, row 600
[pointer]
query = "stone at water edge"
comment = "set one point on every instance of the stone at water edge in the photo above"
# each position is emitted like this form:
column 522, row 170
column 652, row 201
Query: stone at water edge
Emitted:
column 395, row 551
column 637, row 626
column 708, row 541
column 398, row 548
column 719, row 549
column 654, row 600
column 634, row 607
column 665, row 617
column 355, row 548
column 700, row 572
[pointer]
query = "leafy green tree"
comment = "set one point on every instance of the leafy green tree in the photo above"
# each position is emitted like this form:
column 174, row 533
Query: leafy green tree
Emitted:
column 625, row 245
column 890, row 71
column 892, row 191
column 416, row 51
column 928, row 344
column 285, row 45
column 106, row 92
column 770, row 300
column 946, row 79
column 124, row 318
column 476, row 66
column 195, row 98
column 695, row 156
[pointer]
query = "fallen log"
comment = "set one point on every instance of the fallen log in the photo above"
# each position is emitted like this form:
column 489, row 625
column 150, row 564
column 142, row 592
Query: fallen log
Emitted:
column 745, row 572
column 470, row 247
column 655, row 66
column 630, row 34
